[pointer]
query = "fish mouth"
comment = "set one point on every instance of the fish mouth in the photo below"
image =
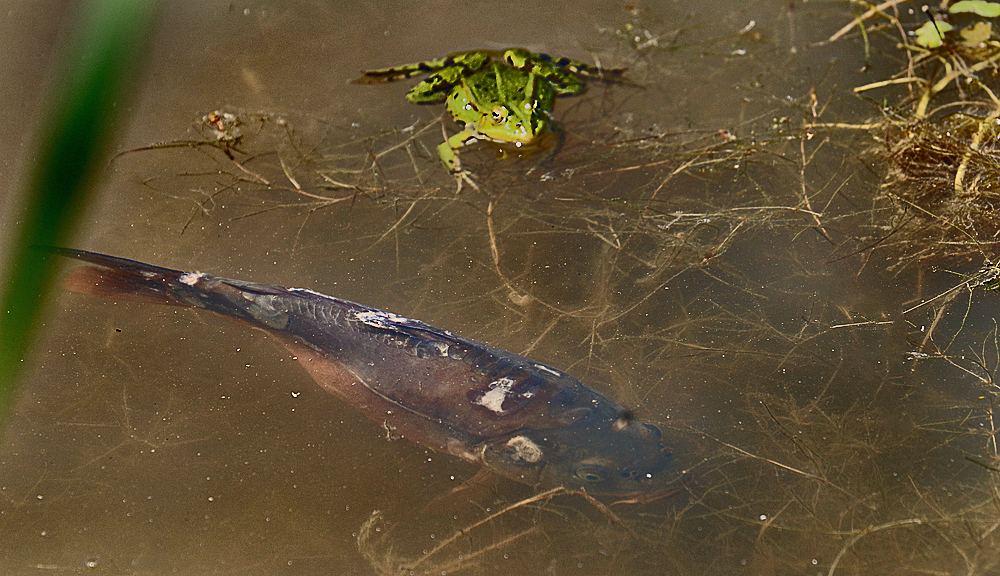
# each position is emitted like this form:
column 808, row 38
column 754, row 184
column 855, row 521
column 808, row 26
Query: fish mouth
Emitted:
column 678, row 483
column 640, row 497
column 652, row 492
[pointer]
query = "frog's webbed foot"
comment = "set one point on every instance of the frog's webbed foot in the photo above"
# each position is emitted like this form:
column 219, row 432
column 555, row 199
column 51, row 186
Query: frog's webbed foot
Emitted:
column 448, row 152
column 464, row 176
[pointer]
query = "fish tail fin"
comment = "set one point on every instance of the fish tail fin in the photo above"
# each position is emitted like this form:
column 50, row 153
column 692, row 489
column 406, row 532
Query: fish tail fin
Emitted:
column 123, row 279
column 120, row 278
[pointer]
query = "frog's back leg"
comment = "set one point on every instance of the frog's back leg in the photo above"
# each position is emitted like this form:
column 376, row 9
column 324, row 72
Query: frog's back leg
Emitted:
column 562, row 73
column 453, row 69
column 470, row 61
column 581, row 69
column 437, row 86
column 397, row 73
column 402, row 72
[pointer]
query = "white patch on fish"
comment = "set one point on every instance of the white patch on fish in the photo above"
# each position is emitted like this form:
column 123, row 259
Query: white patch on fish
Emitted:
column 380, row 319
column 545, row 368
column 494, row 397
column 191, row 278
column 525, row 449
column 441, row 347
column 313, row 292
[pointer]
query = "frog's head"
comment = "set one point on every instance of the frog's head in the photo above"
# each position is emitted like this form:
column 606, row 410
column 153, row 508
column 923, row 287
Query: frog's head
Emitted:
column 506, row 106
column 618, row 456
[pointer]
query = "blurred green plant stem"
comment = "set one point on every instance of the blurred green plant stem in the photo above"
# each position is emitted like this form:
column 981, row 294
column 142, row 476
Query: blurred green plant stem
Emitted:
column 87, row 91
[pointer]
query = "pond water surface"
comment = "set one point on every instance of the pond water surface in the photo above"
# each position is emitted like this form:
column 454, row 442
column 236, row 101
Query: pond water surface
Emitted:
column 723, row 297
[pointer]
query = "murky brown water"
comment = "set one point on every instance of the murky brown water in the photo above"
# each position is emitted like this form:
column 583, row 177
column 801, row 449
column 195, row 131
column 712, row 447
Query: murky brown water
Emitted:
column 155, row 440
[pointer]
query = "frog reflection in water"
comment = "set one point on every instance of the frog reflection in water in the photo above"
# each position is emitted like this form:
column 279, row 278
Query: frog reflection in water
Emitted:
column 505, row 98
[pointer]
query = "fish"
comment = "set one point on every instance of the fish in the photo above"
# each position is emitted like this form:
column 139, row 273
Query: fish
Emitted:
column 516, row 417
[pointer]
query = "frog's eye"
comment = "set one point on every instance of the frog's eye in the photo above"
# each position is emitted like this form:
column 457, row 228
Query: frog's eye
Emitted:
column 499, row 114
column 591, row 472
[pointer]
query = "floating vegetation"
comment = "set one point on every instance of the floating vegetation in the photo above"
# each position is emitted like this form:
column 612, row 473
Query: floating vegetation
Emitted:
column 940, row 141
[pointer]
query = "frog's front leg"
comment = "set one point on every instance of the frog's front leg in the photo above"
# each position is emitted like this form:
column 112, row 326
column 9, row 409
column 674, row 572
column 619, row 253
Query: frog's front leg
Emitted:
column 448, row 152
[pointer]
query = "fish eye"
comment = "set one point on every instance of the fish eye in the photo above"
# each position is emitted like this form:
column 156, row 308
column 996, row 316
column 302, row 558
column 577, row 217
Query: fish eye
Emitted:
column 591, row 473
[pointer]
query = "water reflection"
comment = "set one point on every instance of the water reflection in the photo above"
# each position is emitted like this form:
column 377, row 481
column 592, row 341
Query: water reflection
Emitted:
column 709, row 293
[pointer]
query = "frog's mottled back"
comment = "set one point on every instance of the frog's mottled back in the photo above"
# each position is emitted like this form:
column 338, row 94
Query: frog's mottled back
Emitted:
column 504, row 106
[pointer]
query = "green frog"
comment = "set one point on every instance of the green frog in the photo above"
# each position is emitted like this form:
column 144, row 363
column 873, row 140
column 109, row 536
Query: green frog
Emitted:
column 505, row 98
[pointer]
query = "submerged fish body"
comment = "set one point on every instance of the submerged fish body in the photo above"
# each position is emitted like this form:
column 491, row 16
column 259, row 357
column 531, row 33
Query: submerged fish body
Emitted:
column 520, row 418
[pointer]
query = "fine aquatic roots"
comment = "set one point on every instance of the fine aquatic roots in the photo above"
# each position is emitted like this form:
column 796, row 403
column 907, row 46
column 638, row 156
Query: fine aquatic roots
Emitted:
column 775, row 301
column 512, row 534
